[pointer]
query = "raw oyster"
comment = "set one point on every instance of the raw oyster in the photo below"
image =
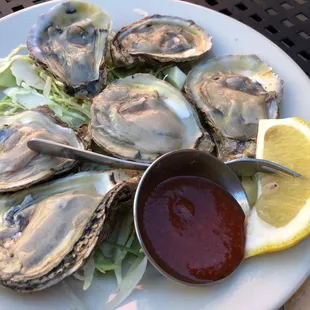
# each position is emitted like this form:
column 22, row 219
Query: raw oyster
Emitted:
column 233, row 93
column 19, row 166
column 159, row 38
column 70, row 42
column 48, row 231
column 141, row 117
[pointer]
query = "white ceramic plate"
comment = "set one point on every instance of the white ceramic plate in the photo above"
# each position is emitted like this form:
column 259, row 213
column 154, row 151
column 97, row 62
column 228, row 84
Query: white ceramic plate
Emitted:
column 261, row 283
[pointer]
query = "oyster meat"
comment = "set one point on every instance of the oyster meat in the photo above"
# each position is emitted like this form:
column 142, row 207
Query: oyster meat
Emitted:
column 19, row 166
column 70, row 41
column 141, row 117
column 159, row 38
column 48, row 231
column 233, row 93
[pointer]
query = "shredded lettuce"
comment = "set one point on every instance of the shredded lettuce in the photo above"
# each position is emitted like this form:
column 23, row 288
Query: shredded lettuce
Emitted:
column 26, row 87
column 86, row 273
column 129, row 283
column 48, row 86
column 104, row 264
column 9, row 108
column 89, row 269
column 141, row 12
column 79, row 276
column 121, row 254
column 24, row 71
column 171, row 74
column 7, row 79
column 125, row 238
column 28, row 98
column 5, row 63
column 127, row 249
column 175, row 76
column 106, row 248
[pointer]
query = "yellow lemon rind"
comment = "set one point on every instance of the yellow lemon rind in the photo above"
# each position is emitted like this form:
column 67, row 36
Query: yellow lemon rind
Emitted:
column 263, row 238
column 276, row 247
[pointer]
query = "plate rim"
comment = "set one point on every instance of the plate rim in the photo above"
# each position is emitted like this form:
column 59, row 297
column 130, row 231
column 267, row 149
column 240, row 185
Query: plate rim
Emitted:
column 254, row 32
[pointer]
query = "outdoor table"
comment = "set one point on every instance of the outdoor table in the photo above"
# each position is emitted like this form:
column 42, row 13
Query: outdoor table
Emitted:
column 284, row 22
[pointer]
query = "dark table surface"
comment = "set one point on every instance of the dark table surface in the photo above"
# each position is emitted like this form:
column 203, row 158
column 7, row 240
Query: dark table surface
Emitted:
column 285, row 22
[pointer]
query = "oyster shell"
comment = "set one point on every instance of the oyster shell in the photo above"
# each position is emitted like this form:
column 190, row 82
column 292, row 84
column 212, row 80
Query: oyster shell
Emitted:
column 19, row 166
column 233, row 93
column 141, row 117
column 50, row 230
column 70, row 42
column 159, row 38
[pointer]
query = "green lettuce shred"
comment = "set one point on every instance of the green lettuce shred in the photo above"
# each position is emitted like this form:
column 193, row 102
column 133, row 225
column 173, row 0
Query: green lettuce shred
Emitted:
column 125, row 238
column 27, row 86
column 89, row 269
column 104, row 264
column 129, row 282
column 175, row 77
column 121, row 254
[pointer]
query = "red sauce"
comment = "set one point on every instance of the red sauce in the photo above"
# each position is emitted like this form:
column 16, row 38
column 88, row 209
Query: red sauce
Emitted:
column 194, row 229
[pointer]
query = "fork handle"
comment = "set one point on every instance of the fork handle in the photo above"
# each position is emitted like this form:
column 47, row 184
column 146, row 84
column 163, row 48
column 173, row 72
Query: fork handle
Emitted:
column 249, row 166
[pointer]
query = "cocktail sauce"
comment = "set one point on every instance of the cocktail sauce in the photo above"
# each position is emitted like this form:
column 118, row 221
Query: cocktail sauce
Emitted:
column 194, row 229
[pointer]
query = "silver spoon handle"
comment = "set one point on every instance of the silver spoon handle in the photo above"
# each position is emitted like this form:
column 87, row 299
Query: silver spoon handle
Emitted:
column 241, row 167
column 65, row 151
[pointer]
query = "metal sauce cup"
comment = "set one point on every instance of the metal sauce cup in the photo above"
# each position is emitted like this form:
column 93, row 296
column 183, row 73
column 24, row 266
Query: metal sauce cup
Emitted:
column 184, row 163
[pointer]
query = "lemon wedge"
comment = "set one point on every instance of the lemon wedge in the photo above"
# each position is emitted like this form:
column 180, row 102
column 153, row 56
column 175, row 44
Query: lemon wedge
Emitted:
column 281, row 216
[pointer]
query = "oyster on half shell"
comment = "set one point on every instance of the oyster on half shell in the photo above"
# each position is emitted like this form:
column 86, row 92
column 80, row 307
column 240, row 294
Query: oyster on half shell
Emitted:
column 159, row 39
column 233, row 93
column 49, row 231
column 141, row 117
column 70, row 42
column 19, row 166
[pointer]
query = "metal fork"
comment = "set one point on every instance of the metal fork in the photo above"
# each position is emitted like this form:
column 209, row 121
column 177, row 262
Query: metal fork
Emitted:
column 241, row 167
